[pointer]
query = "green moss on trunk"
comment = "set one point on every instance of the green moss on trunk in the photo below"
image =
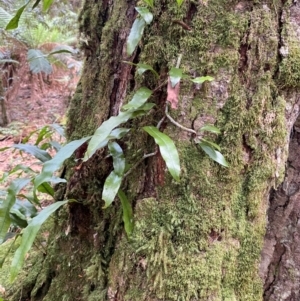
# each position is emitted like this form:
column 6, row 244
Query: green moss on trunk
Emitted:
column 199, row 239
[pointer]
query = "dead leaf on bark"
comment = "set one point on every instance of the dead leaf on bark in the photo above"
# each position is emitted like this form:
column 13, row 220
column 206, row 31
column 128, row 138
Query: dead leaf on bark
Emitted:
column 173, row 94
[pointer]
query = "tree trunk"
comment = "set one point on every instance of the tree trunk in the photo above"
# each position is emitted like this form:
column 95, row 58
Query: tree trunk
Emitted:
column 201, row 238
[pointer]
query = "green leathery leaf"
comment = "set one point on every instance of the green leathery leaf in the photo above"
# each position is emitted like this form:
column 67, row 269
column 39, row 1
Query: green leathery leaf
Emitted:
column 135, row 35
column 175, row 76
column 146, row 107
column 210, row 128
column 56, row 162
column 99, row 139
column 149, row 2
column 202, row 79
column 118, row 157
column 115, row 134
column 136, row 107
column 40, row 154
column 118, row 133
column 111, row 187
column 59, row 51
column 139, row 98
column 167, row 149
column 46, row 4
column 127, row 213
column 141, row 68
column 5, row 206
column 28, row 236
column 113, row 181
column 145, row 14
column 213, row 154
column 144, row 67
column 14, row 22
column 210, row 143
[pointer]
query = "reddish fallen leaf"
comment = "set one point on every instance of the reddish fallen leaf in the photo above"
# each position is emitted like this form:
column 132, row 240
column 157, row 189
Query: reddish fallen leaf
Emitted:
column 173, row 94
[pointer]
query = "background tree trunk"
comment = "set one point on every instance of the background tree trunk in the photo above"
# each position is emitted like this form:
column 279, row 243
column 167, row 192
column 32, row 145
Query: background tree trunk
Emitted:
column 201, row 238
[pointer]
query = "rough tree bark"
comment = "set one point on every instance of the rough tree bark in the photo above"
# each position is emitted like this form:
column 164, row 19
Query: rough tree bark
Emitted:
column 201, row 238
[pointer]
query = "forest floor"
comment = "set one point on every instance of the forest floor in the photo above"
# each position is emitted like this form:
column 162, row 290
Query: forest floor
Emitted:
column 35, row 105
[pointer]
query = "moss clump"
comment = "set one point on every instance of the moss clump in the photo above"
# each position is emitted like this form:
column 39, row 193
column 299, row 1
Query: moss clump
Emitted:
column 290, row 68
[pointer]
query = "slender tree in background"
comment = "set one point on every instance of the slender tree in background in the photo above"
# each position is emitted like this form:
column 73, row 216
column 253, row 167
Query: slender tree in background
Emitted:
column 200, row 238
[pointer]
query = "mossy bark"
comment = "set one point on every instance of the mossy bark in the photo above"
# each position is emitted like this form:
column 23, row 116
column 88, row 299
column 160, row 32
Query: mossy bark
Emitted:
column 200, row 238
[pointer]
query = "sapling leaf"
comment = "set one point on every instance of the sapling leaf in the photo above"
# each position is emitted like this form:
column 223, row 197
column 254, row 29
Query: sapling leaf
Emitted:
column 179, row 2
column 55, row 145
column 46, row 188
column 214, row 155
column 46, row 4
column 36, row 4
column 127, row 213
column 7, row 204
column 40, row 154
column 210, row 128
column 38, row 62
column 59, row 129
column 59, row 51
column 145, row 14
column 29, row 234
column 175, row 76
column 14, row 22
column 21, row 168
column 2, row 149
column 43, row 133
column 9, row 61
column 25, row 208
column 202, row 79
column 18, row 218
column 167, row 149
column 56, row 162
column 135, row 35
